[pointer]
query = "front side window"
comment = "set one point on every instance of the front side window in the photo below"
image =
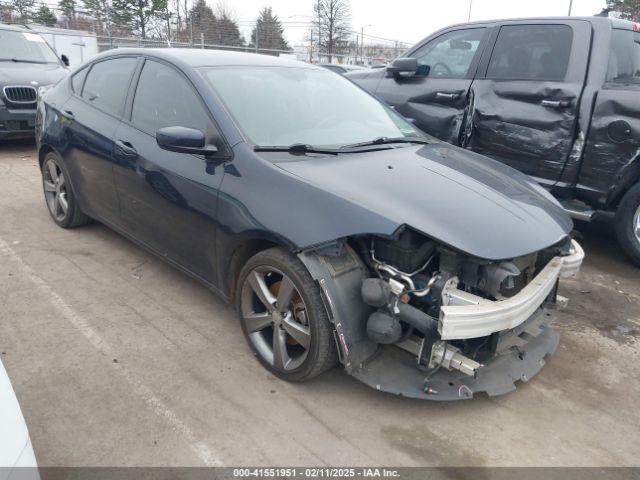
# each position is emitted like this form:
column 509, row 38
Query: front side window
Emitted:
column 282, row 106
column 25, row 47
column 624, row 57
column 531, row 52
column 450, row 55
column 164, row 98
column 108, row 82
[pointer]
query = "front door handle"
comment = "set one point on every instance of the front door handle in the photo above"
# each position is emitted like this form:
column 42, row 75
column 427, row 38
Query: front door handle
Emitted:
column 125, row 149
column 555, row 103
column 448, row 95
column 68, row 114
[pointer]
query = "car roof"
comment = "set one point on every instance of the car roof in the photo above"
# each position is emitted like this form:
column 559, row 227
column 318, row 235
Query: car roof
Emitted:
column 615, row 22
column 15, row 28
column 198, row 57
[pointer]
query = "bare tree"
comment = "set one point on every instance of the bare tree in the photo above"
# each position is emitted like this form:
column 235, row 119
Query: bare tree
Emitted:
column 627, row 9
column 333, row 20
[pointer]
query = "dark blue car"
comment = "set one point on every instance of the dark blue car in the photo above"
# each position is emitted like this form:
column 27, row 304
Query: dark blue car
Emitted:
column 341, row 233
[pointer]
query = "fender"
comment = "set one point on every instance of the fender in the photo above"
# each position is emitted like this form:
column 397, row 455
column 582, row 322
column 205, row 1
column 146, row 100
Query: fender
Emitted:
column 340, row 276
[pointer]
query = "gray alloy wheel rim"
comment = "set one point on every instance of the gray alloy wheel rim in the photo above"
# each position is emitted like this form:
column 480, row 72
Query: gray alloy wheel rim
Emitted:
column 636, row 224
column 276, row 321
column 55, row 189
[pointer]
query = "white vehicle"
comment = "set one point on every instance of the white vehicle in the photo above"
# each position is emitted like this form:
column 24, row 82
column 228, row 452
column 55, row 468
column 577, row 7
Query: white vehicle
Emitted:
column 16, row 452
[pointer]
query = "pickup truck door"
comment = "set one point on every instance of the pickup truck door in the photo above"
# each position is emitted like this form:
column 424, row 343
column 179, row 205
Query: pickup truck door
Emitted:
column 525, row 98
column 436, row 96
column 611, row 161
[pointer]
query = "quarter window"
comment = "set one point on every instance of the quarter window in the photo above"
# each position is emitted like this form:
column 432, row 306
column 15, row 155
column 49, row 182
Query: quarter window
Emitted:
column 78, row 79
column 450, row 55
column 107, row 84
column 624, row 58
column 164, row 98
column 531, row 52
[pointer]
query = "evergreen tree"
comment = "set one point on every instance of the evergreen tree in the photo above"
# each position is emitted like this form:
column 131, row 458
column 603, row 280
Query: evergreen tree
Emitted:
column 45, row 16
column 135, row 16
column 627, row 9
column 269, row 32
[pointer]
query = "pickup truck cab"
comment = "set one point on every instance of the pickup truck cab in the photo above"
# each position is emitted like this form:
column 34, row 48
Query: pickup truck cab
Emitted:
column 556, row 98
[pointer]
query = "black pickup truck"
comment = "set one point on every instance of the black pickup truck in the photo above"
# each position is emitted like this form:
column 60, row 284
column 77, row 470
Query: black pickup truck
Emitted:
column 556, row 98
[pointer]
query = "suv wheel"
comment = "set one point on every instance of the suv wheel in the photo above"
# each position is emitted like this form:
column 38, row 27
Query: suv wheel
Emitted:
column 61, row 201
column 628, row 224
column 283, row 317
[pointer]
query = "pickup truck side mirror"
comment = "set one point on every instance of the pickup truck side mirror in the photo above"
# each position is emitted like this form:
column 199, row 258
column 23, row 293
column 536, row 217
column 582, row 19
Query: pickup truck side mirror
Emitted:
column 403, row 67
column 65, row 60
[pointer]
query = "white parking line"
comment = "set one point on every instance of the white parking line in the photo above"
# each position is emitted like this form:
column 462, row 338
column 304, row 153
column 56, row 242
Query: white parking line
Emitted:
column 204, row 453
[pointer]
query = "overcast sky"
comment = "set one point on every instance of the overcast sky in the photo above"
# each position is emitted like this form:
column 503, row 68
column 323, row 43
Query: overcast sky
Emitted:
column 407, row 20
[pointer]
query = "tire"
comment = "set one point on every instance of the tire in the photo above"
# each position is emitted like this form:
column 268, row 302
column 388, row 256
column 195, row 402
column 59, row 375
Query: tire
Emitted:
column 280, row 275
column 58, row 192
column 628, row 224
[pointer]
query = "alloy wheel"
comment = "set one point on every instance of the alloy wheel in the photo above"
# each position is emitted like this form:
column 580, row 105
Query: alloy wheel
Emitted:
column 275, row 318
column 55, row 189
column 636, row 224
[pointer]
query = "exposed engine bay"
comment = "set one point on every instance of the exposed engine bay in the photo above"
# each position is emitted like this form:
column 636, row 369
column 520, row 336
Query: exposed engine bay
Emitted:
column 443, row 314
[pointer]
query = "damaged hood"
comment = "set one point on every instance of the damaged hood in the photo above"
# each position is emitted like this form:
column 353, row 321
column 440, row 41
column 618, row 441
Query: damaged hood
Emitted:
column 462, row 199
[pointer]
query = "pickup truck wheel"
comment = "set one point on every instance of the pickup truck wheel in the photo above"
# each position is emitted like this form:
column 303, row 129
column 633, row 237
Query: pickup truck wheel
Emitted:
column 628, row 224
column 283, row 317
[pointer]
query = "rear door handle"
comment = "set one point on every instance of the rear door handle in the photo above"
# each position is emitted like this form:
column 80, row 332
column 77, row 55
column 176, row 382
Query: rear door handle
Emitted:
column 448, row 95
column 555, row 103
column 68, row 114
column 125, row 149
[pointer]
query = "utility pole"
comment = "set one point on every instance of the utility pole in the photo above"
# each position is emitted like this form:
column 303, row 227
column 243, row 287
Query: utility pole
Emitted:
column 470, row 5
column 319, row 33
column 362, row 45
column 257, row 35
column 311, row 46
column 570, row 6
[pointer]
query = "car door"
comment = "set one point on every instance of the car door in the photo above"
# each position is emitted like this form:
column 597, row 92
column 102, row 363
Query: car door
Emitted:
column 436, row 96
column 91, row 116
column 610, row 163
column 526, row 96
column 169, row 199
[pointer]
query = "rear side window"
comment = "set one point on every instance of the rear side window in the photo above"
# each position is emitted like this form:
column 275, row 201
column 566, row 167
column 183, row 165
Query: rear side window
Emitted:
column 164, row 98
column 78, row 79
column 450, row 55
column 624, row 58
column 107, row 84
column 531, row 52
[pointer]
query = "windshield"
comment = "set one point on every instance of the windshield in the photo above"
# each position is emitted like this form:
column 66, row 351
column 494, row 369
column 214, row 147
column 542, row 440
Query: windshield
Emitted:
column 280, row 106
column 25, row 47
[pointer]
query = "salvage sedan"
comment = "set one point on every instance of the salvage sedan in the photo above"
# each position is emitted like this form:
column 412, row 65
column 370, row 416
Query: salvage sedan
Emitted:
column 340, row 233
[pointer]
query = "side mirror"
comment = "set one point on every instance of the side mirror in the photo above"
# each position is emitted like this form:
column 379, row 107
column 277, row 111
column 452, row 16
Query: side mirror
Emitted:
column 65, row 60
column 403, row 67
column 184, row 140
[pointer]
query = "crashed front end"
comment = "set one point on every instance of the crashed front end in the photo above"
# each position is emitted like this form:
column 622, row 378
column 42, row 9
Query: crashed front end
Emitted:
column 419, row 319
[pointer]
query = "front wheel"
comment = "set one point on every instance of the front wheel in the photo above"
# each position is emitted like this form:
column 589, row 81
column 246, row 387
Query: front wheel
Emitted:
column 628, row 224
column 283, row 317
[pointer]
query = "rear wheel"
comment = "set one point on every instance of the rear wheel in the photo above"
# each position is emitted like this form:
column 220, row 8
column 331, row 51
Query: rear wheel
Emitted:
column 58, row 194
column 628, row 224
column 283, row 317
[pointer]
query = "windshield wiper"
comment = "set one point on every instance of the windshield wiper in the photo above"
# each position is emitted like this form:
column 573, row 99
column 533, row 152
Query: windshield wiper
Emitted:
column 387, row 141
column 18, row 60
column 294, row 148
